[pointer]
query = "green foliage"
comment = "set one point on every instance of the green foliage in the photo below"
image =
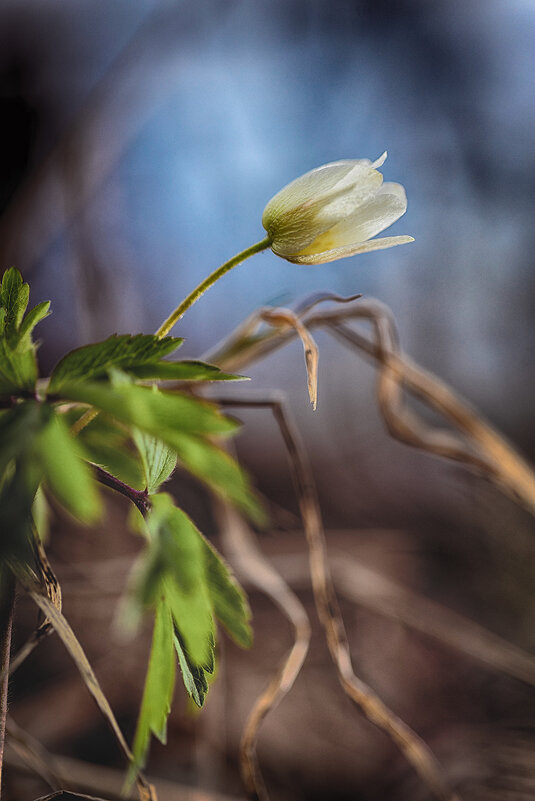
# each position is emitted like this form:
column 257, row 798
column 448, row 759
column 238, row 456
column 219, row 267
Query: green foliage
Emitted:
column 16, row 497
column 228, row 599
column 159, row 686
column 123, row 352
column 158, row 413
column 220, row 472
column 138, row 435
column 18, row 366
column 65, row 471
column 107, row 444
column 182, row 567
column 194, row 677
column 158, row 460
column 183, row 371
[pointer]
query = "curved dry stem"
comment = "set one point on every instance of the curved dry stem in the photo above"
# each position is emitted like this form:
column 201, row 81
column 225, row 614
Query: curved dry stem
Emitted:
column 479, row 445
column 252, row 566
column 412, row 746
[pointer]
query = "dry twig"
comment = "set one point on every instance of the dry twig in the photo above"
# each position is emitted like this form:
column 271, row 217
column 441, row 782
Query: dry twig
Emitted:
column 414, row 748
column 251, row 565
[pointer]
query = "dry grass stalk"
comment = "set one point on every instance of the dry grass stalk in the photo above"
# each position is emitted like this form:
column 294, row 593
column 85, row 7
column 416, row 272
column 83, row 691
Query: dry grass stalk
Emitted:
column 412, row 746
column 479, row 445
column 374, row 591
column 252, row 567
column 53, row 615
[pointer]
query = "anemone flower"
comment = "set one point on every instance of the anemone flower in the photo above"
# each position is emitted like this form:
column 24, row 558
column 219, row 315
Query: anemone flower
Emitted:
column 333, row 212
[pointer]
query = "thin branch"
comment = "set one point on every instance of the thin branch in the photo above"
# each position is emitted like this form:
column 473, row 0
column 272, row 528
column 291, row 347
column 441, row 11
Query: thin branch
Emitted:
column 412, row 746
column 252, row 566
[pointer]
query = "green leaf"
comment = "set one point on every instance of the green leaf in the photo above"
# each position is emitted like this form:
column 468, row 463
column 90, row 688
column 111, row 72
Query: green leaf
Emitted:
column 123, row 352
column 18, row 367
column 41, row 515
column 157, row 458
column 193, row 676
column 228, row 599
column 220, row 472
column 33, row 317
column 14, row 295
column 158, row 413
column 18, row 427
column 66, row 472
column 159, row 686
column 108, row 445
column 183, row 371
column 16, row 499
column 184, row 583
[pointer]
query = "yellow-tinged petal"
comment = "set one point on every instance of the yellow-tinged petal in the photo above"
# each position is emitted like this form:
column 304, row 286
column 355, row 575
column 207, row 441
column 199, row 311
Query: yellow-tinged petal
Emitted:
column 351, row 250
column 369, row 219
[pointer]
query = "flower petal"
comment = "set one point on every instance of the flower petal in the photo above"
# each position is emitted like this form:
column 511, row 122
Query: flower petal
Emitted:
column 350, row 250
column 370, row 218
column 293, row 225
column 315, row 185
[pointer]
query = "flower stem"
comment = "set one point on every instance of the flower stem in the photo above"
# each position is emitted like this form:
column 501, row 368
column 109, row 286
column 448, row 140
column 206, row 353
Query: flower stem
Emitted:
column 180, row 310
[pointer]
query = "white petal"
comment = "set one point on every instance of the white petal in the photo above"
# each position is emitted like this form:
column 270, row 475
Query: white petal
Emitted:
column 369, row 219
column 294, row 229
column 348, row 195
column 351, row 250
column 314, row 185
column 380, row 161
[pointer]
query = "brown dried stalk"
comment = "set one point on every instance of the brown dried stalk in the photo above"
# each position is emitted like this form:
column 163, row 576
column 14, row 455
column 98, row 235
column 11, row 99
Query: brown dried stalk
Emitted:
column 253, row 567
column 475, row 443
column 53, row 615
column 367, row 587
column 412, row 746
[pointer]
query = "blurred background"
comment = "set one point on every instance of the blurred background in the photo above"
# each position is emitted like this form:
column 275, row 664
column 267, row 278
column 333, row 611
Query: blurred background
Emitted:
column 140, row 143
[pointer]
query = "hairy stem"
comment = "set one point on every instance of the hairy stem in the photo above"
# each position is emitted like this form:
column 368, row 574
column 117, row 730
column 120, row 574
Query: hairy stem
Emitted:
column 138, row 497
column 7, row 602
column 180, row 310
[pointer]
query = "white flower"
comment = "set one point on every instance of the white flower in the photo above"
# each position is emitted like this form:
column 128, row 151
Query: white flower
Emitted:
column 333, row 211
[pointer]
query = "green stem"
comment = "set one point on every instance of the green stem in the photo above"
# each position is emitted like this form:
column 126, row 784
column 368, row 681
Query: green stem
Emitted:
column 180, row 310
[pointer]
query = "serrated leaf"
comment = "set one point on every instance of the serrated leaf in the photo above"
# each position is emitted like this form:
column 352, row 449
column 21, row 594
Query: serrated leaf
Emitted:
column 123, row 352
column 228, row 599
column 184, row 583
column 220, row 472
column 33, row 317
column 18, row 367
column 14, row 296
column 194, row 677
column 157, row 458
column 183, row 371
column 66, row 473
column 159, row 685
column 158, row 413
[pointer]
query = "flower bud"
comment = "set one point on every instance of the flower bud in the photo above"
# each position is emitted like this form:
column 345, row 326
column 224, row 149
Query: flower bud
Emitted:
column 333, row 211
